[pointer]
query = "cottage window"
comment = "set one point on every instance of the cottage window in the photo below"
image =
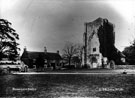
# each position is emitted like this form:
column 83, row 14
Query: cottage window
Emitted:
column 94, row 49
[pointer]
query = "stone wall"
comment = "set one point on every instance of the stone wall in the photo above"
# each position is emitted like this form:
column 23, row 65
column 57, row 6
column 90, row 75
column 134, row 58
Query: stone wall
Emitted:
column 124, row 66
column 99, row 43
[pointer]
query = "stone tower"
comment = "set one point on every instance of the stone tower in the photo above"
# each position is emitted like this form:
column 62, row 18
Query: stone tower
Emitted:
column 98, row 41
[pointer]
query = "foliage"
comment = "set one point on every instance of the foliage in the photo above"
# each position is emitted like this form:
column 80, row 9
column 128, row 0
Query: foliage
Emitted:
column 8, row 45
column 129, row 52
column 107, row 39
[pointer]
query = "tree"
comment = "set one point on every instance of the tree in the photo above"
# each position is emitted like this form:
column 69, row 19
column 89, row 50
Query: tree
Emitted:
column 8, row 45
column 70, row 50
column 129, row 52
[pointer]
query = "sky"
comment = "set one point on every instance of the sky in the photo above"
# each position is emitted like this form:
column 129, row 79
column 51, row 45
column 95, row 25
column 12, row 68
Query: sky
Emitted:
column 52, row 23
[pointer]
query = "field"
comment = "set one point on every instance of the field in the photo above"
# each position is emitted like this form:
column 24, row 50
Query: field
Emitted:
column 68, row 85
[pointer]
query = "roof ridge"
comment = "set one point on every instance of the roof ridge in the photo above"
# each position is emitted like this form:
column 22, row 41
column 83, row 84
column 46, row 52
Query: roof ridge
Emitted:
column 41, row 52
column 52, row 52
column 35, row 52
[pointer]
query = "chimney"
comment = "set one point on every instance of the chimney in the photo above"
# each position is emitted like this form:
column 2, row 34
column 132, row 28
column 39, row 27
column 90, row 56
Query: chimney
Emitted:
column 58, row 51
column 45, row 50
column 25, row 49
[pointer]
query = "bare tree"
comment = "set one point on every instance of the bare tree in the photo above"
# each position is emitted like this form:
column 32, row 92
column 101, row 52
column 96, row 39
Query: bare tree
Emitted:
column 70, row 50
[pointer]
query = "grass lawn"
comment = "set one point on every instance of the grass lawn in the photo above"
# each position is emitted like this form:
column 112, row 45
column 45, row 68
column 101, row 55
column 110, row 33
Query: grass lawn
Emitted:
column 61, row 86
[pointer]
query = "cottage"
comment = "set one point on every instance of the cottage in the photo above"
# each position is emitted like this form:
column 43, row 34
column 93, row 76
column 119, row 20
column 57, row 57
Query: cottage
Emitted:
column 50, row 59
column 99, row 40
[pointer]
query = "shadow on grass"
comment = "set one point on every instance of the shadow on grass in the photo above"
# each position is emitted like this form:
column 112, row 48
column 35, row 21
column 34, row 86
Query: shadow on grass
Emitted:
column 103, row 86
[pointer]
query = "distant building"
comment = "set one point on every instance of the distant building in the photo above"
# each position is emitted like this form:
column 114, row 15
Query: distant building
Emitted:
column 99, row 40
column 50, row 59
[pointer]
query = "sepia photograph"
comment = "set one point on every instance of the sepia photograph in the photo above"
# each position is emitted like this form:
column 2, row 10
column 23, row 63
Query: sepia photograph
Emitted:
column 67, row 48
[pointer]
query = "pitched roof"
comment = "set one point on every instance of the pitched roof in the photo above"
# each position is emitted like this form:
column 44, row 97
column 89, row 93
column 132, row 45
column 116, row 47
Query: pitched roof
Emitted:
column 34, row 55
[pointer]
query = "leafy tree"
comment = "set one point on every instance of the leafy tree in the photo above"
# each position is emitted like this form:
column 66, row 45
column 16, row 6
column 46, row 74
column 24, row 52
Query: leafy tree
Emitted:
column 129, row 52
column 71, row 50
column 8, row 45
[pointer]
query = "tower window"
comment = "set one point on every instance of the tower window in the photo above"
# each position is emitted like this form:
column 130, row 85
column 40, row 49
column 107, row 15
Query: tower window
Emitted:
column 94, row 49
